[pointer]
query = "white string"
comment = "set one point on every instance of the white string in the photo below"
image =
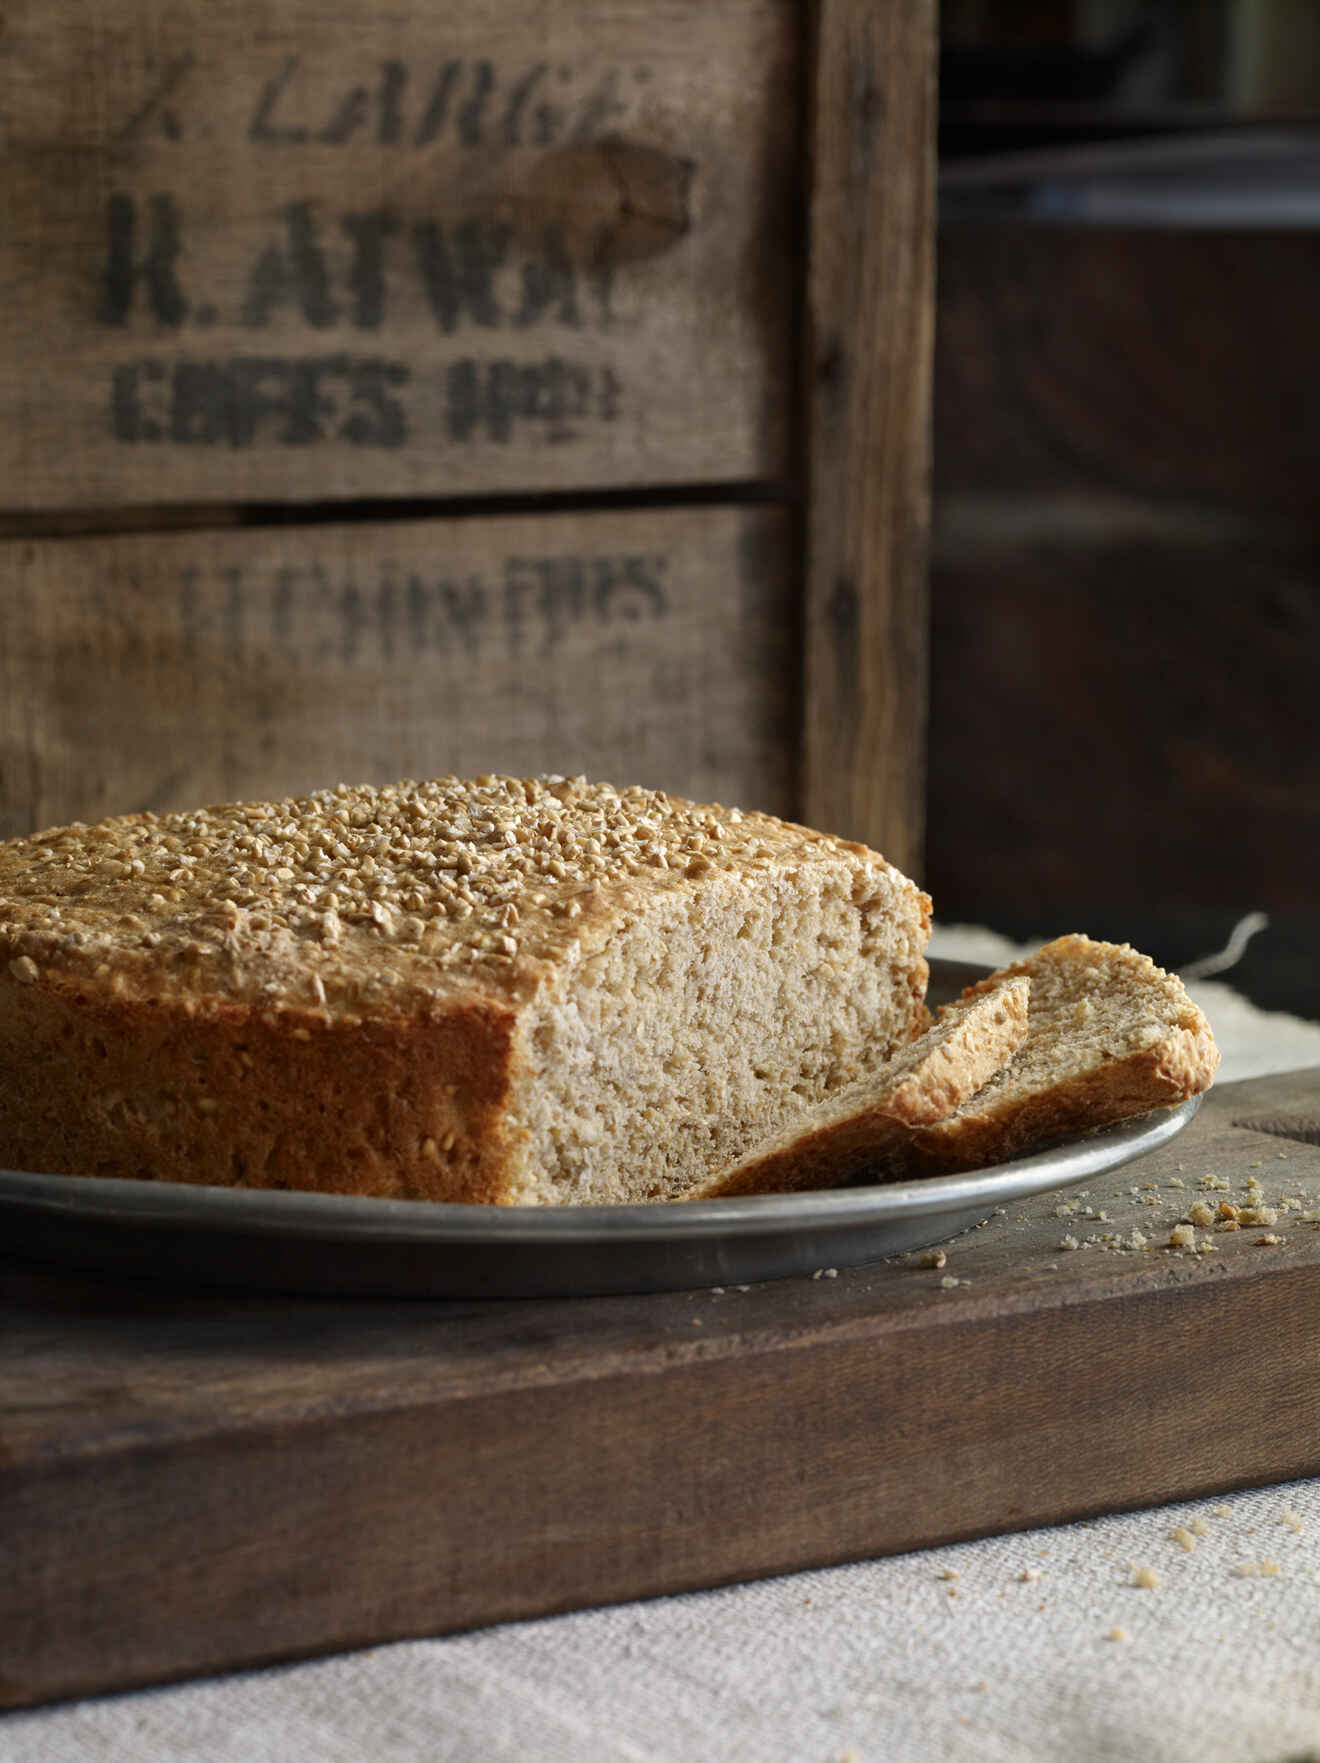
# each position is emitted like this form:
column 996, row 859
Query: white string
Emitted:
column 1233, row 950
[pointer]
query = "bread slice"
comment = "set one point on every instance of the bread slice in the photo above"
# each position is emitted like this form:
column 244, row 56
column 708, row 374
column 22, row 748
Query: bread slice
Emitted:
column 848, row 1138
column 502, row 990
column 1110, row 1035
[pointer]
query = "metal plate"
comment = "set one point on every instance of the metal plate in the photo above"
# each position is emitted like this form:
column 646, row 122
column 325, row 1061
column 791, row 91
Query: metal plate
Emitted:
column 342, row 1246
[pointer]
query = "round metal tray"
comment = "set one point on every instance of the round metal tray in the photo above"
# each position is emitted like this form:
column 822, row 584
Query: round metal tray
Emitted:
column 340, row 1246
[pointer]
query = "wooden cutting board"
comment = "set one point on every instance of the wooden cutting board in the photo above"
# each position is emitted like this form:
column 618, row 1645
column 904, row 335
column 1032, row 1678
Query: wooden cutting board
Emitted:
column 190, row 1483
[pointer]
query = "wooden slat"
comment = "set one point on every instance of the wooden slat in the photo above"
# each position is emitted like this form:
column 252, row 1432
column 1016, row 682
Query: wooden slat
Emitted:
column 169, row 670
column 869, row 323
column 1165, row 655
column 193, row 1483
column 1171, row 365
column 261, row 252
column 1126, row 588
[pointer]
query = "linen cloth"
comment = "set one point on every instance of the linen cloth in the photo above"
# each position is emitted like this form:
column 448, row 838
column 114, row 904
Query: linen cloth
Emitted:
column 1111, row 1641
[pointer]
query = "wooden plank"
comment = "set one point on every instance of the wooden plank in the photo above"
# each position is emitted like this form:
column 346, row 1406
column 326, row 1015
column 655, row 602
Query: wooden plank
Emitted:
column 1170, row 365
column 193, row 1483
column 1166, row 656
column 1125, row 585
column 868, row 348
column 254, row 253
column 163, row 671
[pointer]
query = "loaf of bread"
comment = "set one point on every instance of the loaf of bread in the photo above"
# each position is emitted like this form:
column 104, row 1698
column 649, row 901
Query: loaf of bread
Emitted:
column 510, row 991
column 1109, row 1036
column 852, row 1136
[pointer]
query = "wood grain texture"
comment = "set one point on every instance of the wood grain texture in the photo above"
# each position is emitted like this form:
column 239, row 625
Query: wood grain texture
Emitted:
column 868, row 346
column 1162, row 659
column 191, row 1483
column 165, row 671
column 1177, row 367
column 254, row 253
column 1125, row 587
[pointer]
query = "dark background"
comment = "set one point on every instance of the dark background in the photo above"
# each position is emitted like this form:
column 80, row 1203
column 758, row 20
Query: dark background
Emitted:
column 1125, row 686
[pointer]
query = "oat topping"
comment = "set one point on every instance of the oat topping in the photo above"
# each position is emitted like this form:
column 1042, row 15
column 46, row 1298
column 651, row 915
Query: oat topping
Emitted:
column 358, row 893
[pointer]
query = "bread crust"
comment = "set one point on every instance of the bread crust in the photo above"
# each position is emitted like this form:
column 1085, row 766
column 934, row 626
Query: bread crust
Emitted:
column 214, row 1092
column 1179, row 1061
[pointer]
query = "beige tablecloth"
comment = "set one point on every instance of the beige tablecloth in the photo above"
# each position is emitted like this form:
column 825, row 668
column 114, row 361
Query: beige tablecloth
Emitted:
column 1189, row 1634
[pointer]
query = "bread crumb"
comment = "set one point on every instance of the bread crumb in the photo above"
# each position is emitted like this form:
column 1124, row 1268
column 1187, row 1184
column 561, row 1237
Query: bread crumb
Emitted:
column 1145, row 1577
column 1184, row 1538
column 1258, row 1215
column 1201, row 1214
column 934, row 1258
column 1266, row 1569
column 1069, row 1243
column 1222, row 1512
column 1290, row 1518
column 1028, row 1574
column 947, row 1573
column 953, row 1591
column 1199, row 1527
column 1182, row 1236
column 1117, row 1634
column 949, row 1282
column 1212, row 1181
column 1174, row 1182
column 1268, row 1241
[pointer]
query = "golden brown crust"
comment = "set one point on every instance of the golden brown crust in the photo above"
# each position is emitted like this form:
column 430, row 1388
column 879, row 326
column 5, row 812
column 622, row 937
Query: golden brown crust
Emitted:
column 852, row 1135
column 393, row 1106
column 1111, row 1036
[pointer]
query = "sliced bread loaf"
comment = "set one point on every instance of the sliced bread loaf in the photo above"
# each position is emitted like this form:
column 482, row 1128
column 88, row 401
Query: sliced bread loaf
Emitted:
column 849, row 1138
column 1110, row 1035
column 513, row 991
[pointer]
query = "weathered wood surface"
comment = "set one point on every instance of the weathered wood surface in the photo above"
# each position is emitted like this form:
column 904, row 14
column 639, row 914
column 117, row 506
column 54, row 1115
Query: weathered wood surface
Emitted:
column 1122, row 710
column 1176, row 366
column 869, row 321
column 255, row 253
column 191, row 1483
column 164, row 671
column 1125, row 590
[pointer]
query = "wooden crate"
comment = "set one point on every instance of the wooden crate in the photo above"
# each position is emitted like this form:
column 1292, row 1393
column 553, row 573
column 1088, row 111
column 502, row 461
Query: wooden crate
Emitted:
column 434, row 388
